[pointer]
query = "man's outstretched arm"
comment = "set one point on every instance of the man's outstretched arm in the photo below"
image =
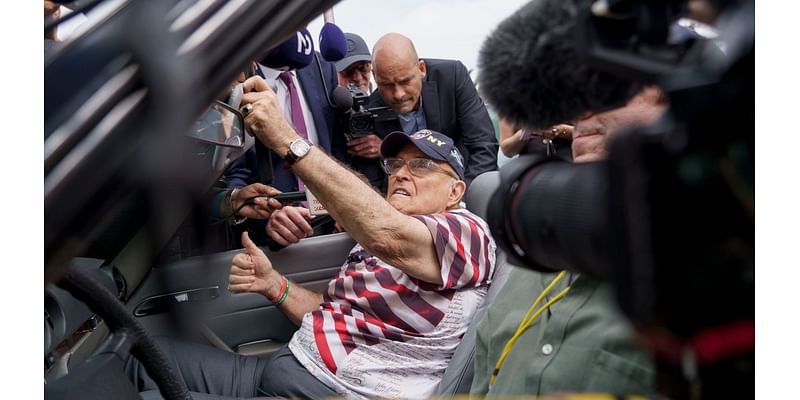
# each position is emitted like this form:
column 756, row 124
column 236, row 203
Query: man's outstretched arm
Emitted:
column 398, row 239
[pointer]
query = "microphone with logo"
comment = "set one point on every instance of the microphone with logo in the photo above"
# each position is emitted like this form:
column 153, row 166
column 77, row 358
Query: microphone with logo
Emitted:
column 294, row 53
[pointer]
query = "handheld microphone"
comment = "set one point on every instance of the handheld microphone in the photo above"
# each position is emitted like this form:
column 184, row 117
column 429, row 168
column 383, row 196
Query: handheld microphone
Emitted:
column 294, row 53
column 534, row 74
column 332, row 43
column 290, row 197
column 285, row 197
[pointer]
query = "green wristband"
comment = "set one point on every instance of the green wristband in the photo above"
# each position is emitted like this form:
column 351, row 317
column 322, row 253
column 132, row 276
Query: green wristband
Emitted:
column 285, row 294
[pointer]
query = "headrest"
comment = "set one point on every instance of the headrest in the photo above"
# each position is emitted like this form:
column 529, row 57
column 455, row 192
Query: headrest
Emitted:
column 480, row 191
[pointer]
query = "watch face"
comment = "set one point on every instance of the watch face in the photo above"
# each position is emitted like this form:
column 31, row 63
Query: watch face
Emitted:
column 299, row 148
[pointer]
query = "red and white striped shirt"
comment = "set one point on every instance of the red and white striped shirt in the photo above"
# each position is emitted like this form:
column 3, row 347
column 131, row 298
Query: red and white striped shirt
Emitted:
column 382, row 333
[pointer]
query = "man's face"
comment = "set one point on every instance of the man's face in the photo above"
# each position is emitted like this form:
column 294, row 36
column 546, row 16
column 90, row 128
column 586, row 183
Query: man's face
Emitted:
column 358, row 73
column 400, row 83
column 416, row 195
column 592, row 132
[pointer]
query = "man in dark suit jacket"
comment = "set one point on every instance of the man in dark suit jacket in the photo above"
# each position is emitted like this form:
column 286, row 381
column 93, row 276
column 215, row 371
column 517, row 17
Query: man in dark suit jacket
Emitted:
column 329, row 137
column 245, row 170
column 430, row 93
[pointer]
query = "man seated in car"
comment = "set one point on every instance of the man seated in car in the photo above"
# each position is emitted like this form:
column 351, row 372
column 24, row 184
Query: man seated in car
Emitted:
column 389, row 323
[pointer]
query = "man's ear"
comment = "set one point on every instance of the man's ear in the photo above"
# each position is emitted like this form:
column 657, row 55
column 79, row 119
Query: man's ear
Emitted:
column 457, row 191
column 423, row 68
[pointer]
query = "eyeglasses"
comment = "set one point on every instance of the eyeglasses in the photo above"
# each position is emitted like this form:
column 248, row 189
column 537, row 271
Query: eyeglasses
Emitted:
column 417, row 166
column 362, row 68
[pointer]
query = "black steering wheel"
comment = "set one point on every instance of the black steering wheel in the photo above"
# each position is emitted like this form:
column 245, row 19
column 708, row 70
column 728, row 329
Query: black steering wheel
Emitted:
column 126, row 337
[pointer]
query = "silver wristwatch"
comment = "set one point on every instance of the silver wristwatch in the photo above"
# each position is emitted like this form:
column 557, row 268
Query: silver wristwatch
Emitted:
column 297, row 150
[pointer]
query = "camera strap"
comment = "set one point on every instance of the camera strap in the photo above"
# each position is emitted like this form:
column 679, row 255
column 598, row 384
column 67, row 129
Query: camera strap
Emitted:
column 530, row 317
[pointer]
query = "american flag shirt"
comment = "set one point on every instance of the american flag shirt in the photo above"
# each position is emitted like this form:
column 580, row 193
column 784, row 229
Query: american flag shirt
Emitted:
column 381, row 333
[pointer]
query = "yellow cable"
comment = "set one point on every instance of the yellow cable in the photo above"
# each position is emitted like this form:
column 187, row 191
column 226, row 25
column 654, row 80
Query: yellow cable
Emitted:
column 528, row 321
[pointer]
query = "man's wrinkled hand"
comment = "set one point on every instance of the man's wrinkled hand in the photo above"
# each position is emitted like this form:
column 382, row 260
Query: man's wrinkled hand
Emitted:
column 265, row 117
column 367, row 146
column 289, row 224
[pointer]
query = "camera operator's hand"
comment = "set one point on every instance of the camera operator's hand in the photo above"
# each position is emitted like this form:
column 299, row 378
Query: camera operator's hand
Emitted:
column 290, row 224
column 367, row 146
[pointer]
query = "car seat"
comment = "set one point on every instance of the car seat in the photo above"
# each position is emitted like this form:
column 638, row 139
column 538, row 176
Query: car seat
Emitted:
column 457, row 377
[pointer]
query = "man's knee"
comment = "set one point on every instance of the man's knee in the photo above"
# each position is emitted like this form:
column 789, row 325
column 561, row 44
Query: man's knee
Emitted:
column 280, row 367
column 285, row 376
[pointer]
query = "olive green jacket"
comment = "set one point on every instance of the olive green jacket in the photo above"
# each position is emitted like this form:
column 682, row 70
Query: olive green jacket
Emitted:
column 581, row 344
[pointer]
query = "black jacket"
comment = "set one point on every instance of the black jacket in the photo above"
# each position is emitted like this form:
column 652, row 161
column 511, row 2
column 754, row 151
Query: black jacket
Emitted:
column 452, row 106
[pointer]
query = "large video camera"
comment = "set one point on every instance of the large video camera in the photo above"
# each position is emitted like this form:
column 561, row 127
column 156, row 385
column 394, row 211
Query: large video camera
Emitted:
column 361, row 121
column 669, row 217
column 358, row 120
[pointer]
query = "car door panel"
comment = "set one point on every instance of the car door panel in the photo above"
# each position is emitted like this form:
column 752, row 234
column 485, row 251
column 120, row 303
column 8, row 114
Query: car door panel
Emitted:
column 196, row 287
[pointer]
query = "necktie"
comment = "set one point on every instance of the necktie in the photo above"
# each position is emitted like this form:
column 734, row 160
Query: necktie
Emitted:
column 297, row 112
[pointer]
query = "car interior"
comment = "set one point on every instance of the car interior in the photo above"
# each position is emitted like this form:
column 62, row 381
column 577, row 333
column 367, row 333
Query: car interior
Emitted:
column 126, row 190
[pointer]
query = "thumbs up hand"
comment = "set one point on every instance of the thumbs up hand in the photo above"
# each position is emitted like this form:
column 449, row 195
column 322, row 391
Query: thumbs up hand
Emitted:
column 252, row 272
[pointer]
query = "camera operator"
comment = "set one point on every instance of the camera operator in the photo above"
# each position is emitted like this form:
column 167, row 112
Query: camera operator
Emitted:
column 356, row 67
column 572, row 339
column 426, row 94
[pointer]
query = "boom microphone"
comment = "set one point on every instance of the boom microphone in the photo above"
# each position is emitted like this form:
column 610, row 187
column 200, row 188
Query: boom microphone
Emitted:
column 342, row 99
column 533, row 74
column 332, row 43
column 294, row 53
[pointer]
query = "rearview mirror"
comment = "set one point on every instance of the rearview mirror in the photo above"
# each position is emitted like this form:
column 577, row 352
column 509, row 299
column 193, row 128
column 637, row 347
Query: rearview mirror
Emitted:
column 221, row 125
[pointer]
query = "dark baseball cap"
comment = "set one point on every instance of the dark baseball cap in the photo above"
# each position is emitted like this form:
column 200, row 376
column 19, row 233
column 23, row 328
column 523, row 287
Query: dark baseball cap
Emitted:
column 434, row 144
column 357, row 50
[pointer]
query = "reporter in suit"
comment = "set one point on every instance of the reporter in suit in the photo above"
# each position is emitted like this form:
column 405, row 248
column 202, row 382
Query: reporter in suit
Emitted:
column 320, row 121
column 321, row 129
column 425, row 93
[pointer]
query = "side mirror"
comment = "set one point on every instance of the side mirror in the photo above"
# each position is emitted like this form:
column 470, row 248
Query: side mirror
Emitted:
column 221, row 125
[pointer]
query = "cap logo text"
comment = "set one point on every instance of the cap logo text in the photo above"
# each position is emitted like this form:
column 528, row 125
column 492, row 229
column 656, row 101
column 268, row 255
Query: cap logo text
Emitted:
column 435, row 141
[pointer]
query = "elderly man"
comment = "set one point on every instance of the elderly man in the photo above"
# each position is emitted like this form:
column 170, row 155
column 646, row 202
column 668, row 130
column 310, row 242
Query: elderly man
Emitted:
column 390, row 321
column 356, row 67
column 426, row 94
column 579, row 342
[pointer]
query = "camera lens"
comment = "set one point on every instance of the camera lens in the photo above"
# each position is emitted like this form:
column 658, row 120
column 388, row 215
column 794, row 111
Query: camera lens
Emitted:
column 359, row 123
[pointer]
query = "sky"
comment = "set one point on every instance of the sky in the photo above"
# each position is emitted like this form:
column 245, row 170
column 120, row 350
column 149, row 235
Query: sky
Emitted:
column 453, row 29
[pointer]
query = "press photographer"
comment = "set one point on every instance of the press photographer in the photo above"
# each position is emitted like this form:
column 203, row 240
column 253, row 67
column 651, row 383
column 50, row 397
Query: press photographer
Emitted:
column 668, row 219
